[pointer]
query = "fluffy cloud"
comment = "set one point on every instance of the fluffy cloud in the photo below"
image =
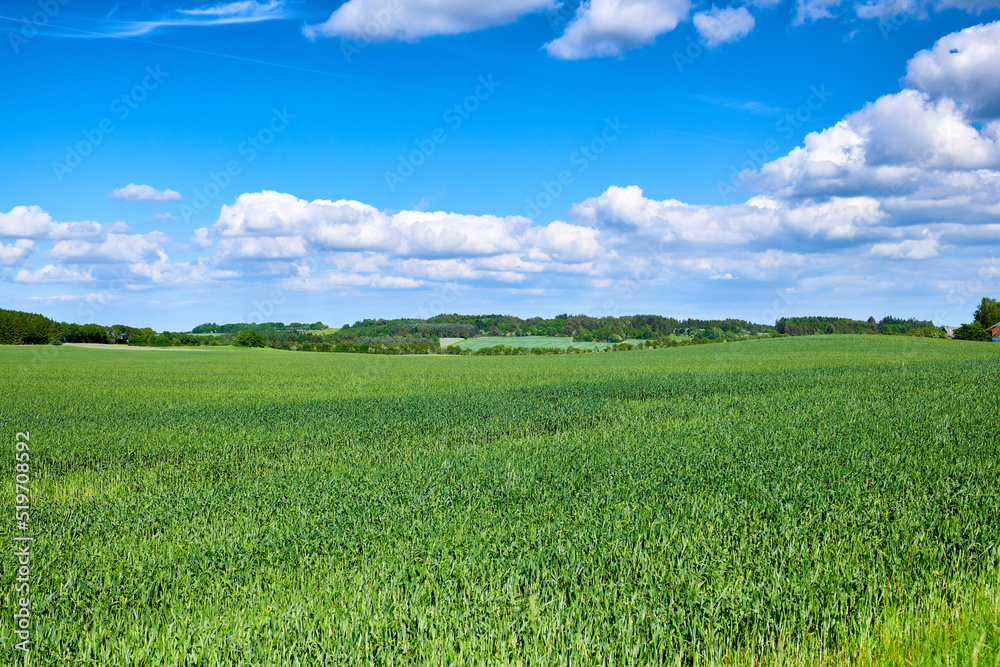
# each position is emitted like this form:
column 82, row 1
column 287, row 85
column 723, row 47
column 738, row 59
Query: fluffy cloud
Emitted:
column 598, row 27
column 263, row 247
column 897, row 145
column 113, row 248
column 964, row 66
column 161, row 271
column 628, row 212
column 133, row 192
column 566, row 243
column 330, row 241
column 761, row 266
column 382, row 20
column 908, row 249
column 52, row 273
column 717, row 26
column 335, row 279
column 906, row 187
column 814, row 10
column 31, row 222
column 886, row 9
column 324, row 225
column 16, row 252
column 611, row 27
column 908, row 179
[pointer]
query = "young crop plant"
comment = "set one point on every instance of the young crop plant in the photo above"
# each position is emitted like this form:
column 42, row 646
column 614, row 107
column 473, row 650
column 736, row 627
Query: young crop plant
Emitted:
column 800, row 501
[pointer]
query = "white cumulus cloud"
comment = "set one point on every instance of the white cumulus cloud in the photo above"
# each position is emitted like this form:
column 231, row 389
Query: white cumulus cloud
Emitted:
column 895, row 145
column 133, row 192
column 52, row 273
column 964, row 66
column 330, row 240
column 112, row 248
column 729, row 24
column 16, row 252
column 383, row 20
column 611, row 27
column 32, row 222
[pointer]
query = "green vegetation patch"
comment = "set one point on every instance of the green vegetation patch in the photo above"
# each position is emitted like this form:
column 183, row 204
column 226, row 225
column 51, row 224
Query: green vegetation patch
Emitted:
column 555, row 342
column 793, row 501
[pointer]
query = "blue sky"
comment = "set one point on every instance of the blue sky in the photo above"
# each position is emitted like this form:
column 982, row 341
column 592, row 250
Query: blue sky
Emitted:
column 170, row 163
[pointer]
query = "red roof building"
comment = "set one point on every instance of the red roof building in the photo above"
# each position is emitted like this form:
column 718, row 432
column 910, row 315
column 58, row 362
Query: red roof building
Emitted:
column 995, row 332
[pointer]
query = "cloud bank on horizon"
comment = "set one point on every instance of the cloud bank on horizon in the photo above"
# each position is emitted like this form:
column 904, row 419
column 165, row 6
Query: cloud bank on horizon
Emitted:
column 899, row 195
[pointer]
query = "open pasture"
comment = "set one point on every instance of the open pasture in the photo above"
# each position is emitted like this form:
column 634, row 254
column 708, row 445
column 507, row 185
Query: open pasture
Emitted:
column 802, row 501
column 556, row 342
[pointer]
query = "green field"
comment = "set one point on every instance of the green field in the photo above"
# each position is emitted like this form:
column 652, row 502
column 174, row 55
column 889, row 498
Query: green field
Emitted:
column 558, row 342
column 826, row 500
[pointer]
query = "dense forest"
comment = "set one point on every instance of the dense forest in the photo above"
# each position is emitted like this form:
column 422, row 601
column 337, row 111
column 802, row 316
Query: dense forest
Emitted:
column 294, row 327
column 808, row 326
column 579, row 327
column 17, row 328
column 415, row 336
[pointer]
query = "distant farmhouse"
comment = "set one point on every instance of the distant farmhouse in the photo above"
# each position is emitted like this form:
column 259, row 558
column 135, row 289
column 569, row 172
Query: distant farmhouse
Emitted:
column 949, row 332
column 995, row 332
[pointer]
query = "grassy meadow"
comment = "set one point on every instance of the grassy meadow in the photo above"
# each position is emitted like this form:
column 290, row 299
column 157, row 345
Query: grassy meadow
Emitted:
column 555, row 342
column 810, row 501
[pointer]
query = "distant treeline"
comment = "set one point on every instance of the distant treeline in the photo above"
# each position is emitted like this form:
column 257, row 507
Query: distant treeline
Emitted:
column 120, row 334
column 581, row 328
column 653, row 344
column 416, row 336
column 17, row 328
column 809, row 326
column 213, row 328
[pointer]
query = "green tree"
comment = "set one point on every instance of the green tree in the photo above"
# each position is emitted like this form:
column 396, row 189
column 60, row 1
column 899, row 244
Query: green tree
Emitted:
column 988, row 312
column 974, row 331
column 248, row 338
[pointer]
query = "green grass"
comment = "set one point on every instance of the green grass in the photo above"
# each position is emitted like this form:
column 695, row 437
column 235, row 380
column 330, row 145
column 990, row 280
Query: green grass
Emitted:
column 800, row 501
column 559, row 342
